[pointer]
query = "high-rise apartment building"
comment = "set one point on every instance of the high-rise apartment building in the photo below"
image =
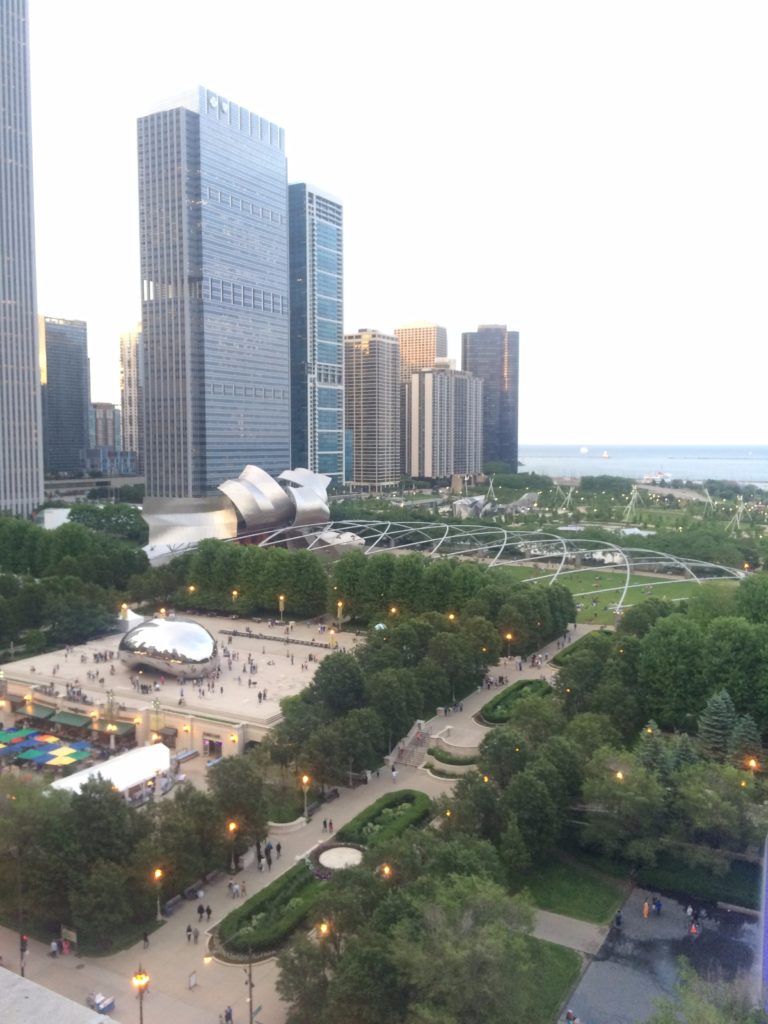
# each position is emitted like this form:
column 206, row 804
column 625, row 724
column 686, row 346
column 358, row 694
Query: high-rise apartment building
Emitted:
column 213, row 212
column 372, row 409
column 21, row 462
column 317, row 331
column 131, row 393
column 65, row 392
column 421, row 345
column 106, row 426
column 493, row 354
column 442, row 423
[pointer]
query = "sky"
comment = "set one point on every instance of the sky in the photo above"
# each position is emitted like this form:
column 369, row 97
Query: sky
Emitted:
column 592, row 174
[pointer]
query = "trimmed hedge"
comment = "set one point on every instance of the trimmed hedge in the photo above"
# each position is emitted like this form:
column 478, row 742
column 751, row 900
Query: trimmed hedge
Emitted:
column 442, row 755
column 387, row 818
column 499, row 708
column 269, row 917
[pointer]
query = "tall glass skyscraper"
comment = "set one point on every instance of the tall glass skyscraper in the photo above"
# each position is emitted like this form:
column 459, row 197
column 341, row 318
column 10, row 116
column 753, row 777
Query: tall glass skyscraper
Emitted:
column 66, row 393
column 493, row 354
column 21, row 464
column 317, row 331
column 213, row 209
column 131, row 393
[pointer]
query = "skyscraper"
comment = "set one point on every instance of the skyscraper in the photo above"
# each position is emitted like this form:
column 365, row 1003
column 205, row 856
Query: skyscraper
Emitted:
column 442, row 423
column 493, row 354
column 421, row 344
column 131, row 393
column 106, row 429
column 213, row 212
column 65, row 392
column 317, row 331
column 21, row 463
column 372, row 408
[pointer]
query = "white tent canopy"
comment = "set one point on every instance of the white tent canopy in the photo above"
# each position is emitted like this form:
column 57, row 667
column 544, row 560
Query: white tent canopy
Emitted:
column 124, row 771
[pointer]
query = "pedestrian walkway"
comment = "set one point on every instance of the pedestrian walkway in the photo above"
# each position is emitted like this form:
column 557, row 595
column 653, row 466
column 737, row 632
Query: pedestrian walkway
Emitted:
column 567, row 931
column 182, row 985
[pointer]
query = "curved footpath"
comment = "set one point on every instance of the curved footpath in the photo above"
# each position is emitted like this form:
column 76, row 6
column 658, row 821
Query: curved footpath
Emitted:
column 172, row 962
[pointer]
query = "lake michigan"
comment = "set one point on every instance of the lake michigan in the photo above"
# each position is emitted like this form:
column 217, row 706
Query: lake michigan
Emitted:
column 742, row 464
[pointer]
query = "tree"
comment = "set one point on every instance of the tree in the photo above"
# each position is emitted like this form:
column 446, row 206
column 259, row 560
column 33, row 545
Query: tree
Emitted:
column 625, row 806
column 734, row 657
column 503, row 753
column 462, row 957
column 338, row 684
column 671, row 671
column 716, row 724
column 238, row 793
column 639, row 618
column 752, row 598
column 123, row 521
column 535, row 812
column 711, row 806
column 103, row 903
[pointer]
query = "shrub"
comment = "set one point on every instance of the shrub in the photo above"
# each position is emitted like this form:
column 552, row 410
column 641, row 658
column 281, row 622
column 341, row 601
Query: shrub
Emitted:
column 442, row 755
column 269, row 918
column 740, row 885
column 499, row 708
column 387, row 818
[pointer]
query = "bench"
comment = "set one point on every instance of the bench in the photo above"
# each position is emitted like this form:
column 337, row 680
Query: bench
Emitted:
column 190, row 893
column 170, row 905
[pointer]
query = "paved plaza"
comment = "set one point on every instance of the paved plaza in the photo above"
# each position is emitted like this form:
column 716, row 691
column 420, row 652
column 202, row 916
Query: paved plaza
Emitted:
column 282, row 669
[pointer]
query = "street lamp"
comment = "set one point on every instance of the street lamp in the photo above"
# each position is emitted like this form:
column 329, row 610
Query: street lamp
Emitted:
column 332, row 634
column 305, row 781
column 232, row 829
column 140, row 982
column 323, row 929
column 157, row 874
column 191, row 588
column 451, row 617
column 619, row 776
column 393, row 610
column 385, row 871
column 339, row 610
column 235, row 594
column 281, row 606
column 508, row 637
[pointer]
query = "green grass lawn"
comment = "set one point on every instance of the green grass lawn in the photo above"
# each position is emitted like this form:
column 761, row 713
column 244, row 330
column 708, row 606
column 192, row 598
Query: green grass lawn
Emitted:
column 575, row 889
column 611, row 587
column 556, row 970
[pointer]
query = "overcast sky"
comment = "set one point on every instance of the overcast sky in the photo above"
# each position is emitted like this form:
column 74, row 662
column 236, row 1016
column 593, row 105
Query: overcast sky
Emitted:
column 592, row 174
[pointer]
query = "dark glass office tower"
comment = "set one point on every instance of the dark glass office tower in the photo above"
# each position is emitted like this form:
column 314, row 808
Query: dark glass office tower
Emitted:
column 213, row 211
column 317, row 331
column 66, row 394
column 493, row 354
column 21, row 464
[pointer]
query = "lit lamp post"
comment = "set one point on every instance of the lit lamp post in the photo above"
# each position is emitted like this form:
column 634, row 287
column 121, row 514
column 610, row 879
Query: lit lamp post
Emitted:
column 393, row 610
column 232, row 829
column 157, row 874
column 305, row 781
column 508, row 638
column 235, row 595
column 451, row 617
column 191, row 588
column 339, row 611
column 281, row 606
column 140, row 982
column 332, row 634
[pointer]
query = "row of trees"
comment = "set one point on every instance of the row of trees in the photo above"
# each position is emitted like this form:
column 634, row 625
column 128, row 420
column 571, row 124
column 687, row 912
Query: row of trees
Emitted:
column 378, row 588
column 87, row 859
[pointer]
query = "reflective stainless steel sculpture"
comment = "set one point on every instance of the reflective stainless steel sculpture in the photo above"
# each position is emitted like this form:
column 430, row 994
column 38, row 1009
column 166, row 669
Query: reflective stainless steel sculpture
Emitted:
column 173, row 646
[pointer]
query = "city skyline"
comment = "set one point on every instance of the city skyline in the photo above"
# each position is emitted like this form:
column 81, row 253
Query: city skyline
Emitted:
column 590, row 176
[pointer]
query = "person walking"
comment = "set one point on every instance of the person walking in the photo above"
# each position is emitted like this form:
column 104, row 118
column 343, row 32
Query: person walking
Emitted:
column 228, row 1019
column 325, row 824
column 189, row 933
column 278, row 849
column 195, row 934
column 200, row 912
column 208, row 913
column 646, row 908
column 145, row 940
column 330, row 824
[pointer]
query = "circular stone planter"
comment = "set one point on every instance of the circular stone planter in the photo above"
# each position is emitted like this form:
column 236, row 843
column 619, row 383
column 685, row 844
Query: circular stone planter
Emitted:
column 338, row 857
